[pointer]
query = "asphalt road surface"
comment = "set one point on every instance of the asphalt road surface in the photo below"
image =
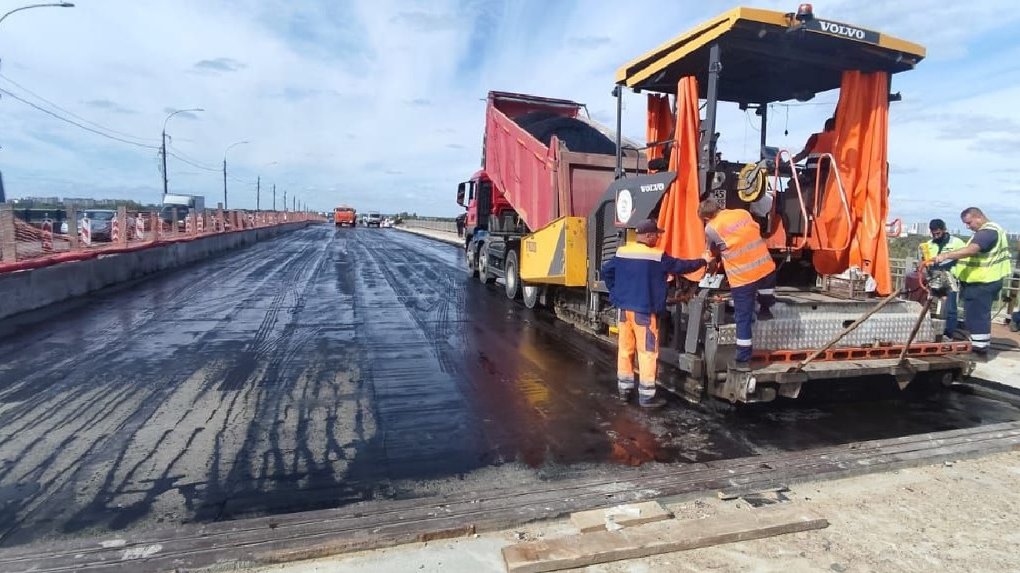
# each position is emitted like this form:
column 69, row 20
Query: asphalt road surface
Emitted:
column 328, row 367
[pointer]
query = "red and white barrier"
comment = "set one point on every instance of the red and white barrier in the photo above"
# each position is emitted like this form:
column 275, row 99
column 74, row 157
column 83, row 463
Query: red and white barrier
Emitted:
column 139, row 227
column 115, row 230
column 201, row 223
column 187, row 225
column 47, row 236
column 85, row 233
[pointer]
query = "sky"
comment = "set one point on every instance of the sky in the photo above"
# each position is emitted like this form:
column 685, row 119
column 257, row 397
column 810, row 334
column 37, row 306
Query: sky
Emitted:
column 380, row 104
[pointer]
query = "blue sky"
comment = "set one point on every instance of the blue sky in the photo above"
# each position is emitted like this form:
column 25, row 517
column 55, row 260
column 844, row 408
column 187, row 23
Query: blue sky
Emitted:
column 380, row 104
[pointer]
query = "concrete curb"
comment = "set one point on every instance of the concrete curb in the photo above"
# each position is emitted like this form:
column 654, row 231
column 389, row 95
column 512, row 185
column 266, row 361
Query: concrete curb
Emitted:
column 33, row 289
column 434, row 235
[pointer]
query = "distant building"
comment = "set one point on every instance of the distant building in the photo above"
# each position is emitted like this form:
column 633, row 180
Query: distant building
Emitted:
column 80, row 202
column 42, row 200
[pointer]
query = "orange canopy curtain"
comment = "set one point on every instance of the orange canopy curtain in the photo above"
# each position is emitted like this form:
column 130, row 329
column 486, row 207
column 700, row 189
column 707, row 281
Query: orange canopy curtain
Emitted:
column 684, row 235
column 861, row 152
column 660, row 120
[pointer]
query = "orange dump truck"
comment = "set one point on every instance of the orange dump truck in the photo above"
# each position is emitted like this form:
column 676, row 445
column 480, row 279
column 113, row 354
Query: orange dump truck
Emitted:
column 344, row 216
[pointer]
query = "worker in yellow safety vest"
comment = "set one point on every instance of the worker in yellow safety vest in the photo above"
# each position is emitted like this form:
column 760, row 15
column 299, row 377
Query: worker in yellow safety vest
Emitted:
column 943, row 242
column 985, row 265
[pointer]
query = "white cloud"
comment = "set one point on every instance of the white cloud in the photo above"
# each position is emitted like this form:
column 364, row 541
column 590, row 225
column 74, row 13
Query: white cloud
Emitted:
column 380, row 104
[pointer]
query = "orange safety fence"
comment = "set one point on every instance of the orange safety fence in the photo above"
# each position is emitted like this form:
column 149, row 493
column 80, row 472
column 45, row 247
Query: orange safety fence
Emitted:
column 34, row 242
column 684, row 235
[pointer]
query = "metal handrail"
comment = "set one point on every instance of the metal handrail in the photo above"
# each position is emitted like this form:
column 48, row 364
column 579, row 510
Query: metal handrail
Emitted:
column 800, row 195
column 842, row 196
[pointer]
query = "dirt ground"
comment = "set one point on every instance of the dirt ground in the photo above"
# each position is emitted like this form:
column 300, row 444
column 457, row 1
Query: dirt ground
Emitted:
column 961, row 516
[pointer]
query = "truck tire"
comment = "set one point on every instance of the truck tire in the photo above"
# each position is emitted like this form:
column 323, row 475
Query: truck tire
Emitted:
column 531, row 294
column 483, row 265
column 512, row 279
column 471, row 261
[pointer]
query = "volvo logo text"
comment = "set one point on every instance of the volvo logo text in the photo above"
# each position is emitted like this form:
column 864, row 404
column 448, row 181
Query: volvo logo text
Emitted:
column 842, row 30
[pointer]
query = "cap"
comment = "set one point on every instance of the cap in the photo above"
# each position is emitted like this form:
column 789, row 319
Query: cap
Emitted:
column 647, row 226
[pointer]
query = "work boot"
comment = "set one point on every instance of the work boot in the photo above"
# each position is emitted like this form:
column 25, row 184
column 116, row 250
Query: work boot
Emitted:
column 652, row 403
column 624, row 389
column 765, row 314
column 740, row 365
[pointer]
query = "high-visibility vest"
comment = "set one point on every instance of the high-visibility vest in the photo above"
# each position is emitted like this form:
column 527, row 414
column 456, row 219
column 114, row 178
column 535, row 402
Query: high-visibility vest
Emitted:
column 987, row 267
column 930, row 249
column 825, row 142
column 744, row 254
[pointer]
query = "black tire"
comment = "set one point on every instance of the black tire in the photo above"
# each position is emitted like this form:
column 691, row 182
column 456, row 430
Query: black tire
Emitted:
column 531, row 294
column 512, row 278
column 471, row 261
column 484, row 276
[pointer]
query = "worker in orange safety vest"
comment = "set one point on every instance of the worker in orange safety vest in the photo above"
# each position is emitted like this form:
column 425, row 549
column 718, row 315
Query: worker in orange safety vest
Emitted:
column 735, row 237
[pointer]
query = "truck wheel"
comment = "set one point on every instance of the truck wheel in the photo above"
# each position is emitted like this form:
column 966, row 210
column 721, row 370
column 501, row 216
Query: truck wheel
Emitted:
column 513, row 275
column 530, row 294
column 469, row 260
column 483, row 266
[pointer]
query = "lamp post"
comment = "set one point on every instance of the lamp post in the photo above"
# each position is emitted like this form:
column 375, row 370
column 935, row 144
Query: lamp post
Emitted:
column 232, row 145
column 4, row 17
column 258, row 189
column 30, row 6
column 163, row 147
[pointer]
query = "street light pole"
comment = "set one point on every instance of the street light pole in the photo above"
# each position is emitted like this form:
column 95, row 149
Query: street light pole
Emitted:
column 236, row 143
column 258, row 188
column 50, row 5
column 162, row 150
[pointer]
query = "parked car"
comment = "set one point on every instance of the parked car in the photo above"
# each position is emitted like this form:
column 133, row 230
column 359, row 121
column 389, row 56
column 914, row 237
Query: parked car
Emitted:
column 101, row 223
column 373, row 219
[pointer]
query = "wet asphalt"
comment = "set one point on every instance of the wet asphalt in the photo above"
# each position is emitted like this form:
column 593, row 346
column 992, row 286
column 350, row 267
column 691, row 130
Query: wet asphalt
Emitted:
column 328, row 367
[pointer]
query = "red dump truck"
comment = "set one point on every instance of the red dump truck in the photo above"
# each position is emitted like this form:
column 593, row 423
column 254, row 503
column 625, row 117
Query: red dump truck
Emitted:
column 544, row 159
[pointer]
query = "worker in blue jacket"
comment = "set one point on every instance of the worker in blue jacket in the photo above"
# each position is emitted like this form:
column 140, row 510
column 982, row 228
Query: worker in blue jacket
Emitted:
column 636, row 279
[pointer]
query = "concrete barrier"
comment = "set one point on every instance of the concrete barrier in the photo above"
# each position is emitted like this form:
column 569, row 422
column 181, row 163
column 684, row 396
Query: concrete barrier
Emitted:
column 33, row 289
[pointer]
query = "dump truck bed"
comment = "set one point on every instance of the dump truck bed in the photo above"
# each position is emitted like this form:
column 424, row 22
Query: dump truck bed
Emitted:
column 540, row 182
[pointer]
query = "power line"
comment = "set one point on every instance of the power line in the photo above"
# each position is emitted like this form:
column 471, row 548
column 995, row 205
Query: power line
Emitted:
column 75, row 123
column 191, row 162
column 189, row 159
column 71, row 113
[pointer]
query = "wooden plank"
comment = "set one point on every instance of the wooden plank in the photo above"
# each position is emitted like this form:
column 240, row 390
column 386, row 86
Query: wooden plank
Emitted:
column 386, row 523
column 620, row 516
column 749, row 489
column 655, row 538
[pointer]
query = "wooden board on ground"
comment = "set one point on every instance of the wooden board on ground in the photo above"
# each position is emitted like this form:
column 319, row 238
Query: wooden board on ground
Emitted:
column 384, row 523
column 655, row 538
column 617, row 517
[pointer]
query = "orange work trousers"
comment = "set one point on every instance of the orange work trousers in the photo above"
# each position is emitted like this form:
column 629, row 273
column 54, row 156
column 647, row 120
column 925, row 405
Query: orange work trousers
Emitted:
column 639, row 334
